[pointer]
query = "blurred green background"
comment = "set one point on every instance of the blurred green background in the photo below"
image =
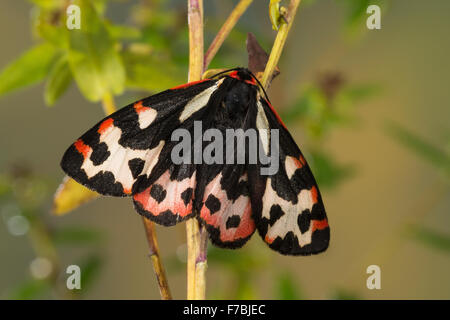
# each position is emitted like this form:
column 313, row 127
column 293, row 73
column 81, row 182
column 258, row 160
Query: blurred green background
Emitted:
column 369, row 108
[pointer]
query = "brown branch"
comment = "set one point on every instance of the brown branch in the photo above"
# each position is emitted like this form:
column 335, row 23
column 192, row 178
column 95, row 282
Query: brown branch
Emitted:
column 156, row 260
column 223, row 33
column 195, row 280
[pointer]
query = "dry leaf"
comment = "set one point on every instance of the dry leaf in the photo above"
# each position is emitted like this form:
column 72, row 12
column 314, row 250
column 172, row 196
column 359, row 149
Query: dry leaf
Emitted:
column 70, row 195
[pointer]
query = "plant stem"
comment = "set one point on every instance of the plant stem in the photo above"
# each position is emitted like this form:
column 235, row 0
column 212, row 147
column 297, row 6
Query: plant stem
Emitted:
column 110, row 107
column 108, row 104
column 195, row 21
column 156, row 260
column 201, row 264
column 223, row 33
column 278, row 45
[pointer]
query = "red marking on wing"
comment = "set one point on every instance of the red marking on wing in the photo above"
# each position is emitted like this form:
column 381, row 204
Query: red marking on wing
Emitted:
column 319, row 224
column 139, row 107
column 186, row 85
column 299, row 162
column 105, row 125
column 314, row 194
column 235, row 75
column 82, row 148
column 276, row 114
column 172, row 201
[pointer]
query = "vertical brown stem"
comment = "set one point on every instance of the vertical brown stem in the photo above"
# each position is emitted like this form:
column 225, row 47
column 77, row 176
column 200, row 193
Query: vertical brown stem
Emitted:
column 195, row 21
column 156, row 259
column 223, row 33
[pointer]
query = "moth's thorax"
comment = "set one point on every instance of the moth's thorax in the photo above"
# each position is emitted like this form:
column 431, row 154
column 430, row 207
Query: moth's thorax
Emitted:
column 238, row 99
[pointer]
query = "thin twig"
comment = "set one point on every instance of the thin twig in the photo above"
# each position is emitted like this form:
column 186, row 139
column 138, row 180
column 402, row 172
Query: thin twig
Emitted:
column 201, row 265
column 280, row 40
column 223, row 33
column 195, row 21
column 156, row 260
column 110, row 107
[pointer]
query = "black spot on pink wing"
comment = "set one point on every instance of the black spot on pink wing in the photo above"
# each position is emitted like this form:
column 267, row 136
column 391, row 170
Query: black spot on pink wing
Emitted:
column 213, row 204
column 158, row 193
column 186, row 195
column 233, row 222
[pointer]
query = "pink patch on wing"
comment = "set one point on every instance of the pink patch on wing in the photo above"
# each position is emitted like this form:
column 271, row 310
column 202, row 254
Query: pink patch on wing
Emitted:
column 241, row 207
column 172, row 200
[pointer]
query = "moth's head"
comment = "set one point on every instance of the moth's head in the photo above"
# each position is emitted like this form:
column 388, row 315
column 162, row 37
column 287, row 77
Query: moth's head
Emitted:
column 245, row 75
column 242, row 74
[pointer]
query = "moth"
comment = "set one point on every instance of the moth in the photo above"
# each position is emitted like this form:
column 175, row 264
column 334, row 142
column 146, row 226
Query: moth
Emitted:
column 130, row 154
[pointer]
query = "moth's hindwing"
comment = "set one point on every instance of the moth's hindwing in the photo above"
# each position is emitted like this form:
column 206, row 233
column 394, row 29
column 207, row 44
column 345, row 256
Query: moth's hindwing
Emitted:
column 225, row 205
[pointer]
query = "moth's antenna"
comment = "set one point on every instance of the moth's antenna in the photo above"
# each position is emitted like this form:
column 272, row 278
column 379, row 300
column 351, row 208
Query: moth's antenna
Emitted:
column 260, row 85
column 225, row 71
column 253, row 76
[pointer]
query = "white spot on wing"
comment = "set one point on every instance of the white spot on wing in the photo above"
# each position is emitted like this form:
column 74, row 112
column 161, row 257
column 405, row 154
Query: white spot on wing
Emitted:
column 198, row 102
column 262, row 124
column 288, row 221
column 146, row 117
column 117, row 162
column 291, row 166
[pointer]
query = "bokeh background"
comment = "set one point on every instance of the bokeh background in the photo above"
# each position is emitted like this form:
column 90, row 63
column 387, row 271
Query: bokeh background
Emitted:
column 369, row 108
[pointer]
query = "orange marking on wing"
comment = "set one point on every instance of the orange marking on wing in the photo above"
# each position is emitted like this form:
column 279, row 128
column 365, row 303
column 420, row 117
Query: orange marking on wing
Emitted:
column 319, row 224
column 105, row 125
column 302, row 160
column 268, row 240
column 276, row 114
column 82, row 148
column 186, row 85
column 314, row 194
column 139, row 107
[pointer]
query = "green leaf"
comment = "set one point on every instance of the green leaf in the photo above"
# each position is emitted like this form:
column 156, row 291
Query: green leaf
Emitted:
column 146, row 72
column 286, row 288
column 344, row 294
column 435, row 156
column 31, row 289
column 123, row 32
column 430, row 237
column 93, row 59
column 47, row 4
column 30, row 68
column 327, row 172
column 59, row 79
column 90, row 268
column 76, row 236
